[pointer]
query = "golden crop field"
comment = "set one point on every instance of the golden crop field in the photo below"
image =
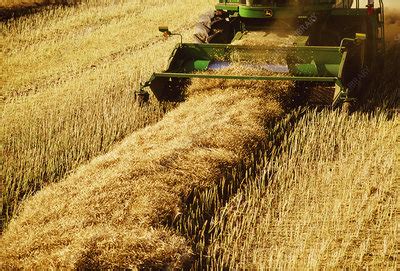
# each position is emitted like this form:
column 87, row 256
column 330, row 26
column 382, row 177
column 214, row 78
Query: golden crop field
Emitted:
column 68, row 86
column 331, row 207
column 227, row 179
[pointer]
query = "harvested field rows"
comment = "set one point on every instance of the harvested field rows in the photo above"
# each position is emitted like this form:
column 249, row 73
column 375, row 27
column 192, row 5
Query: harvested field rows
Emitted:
column 110, row 213
column 76, row 70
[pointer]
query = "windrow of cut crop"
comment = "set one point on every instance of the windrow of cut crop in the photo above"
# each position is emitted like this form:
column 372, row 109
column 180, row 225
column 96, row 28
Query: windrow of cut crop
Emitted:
column 116, row 210
column 197, row 220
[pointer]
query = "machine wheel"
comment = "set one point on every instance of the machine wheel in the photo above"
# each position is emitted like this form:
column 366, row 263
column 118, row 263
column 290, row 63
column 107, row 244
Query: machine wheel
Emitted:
column 347, row 107
column 142, row 98
column 212, row 29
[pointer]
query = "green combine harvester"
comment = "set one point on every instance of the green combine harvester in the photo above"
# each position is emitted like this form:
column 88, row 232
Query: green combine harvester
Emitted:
column 324, row 46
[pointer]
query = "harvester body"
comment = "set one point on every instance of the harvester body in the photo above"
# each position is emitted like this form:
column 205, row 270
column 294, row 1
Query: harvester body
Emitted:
column 322, row 44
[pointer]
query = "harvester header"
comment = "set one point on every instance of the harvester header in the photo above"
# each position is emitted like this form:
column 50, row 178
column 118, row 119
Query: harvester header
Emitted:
column 325, row 53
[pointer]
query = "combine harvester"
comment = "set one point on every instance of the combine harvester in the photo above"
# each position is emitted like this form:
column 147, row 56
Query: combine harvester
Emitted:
column 325, row 46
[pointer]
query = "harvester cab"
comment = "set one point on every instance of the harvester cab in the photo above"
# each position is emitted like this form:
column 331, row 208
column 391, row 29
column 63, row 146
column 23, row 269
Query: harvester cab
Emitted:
column 325, row 46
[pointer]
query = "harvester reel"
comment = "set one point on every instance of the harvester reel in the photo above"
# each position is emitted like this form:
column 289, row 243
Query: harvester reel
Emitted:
column 347, row 107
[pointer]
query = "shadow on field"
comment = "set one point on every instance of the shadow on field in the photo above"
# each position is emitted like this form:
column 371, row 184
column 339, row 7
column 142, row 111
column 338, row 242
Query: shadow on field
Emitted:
column 383, row 89
column 14, row 12
column 392, row 26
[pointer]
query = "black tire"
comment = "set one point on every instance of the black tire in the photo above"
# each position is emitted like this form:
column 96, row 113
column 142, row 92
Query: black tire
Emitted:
column 347, row 107
column 142, row 98
column 217, row 30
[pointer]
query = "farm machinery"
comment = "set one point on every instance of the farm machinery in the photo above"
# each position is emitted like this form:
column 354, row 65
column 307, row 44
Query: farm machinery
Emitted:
column 324, row 45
